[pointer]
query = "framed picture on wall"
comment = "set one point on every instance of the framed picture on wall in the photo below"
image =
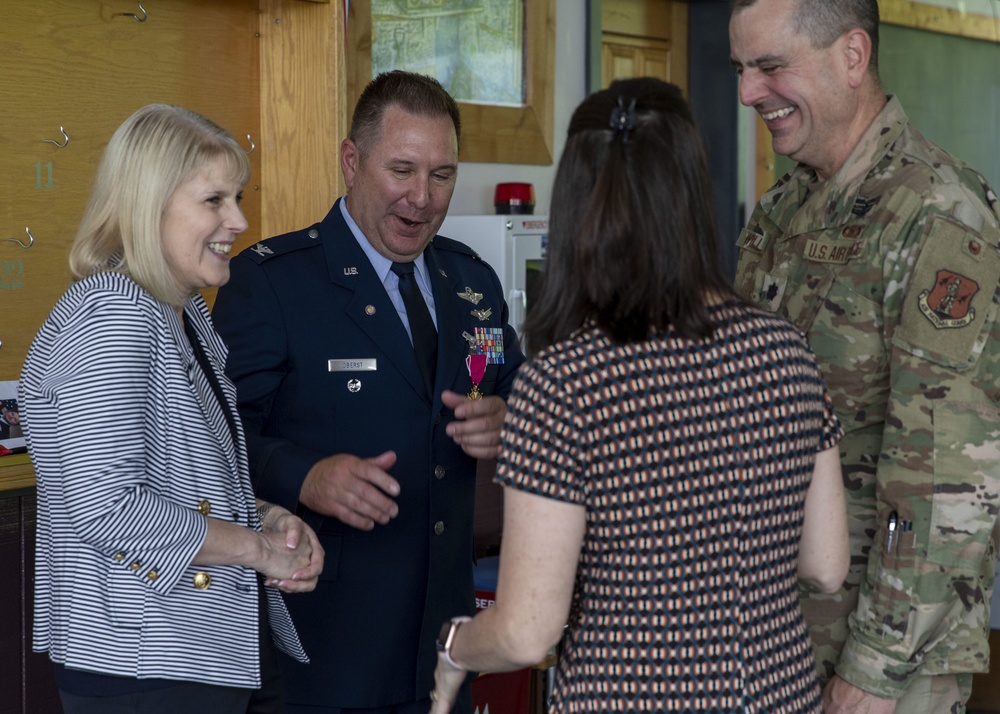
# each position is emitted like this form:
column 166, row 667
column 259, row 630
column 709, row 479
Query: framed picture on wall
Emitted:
column 495, row 57
column 475, row 48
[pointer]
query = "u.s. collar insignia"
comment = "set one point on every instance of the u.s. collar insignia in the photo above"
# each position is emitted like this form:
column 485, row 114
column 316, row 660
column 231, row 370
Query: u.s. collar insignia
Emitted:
column 262, row 250
column 483, row 315
column 471, row 296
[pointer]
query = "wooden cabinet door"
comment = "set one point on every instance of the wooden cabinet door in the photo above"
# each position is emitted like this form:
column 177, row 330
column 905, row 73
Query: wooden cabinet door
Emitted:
column 644, row 38
column 84, row 66
column 28, row 682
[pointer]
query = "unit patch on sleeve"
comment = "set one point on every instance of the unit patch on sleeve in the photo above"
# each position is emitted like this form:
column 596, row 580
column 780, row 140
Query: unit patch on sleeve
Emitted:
column 948, row 311
column 949, row 303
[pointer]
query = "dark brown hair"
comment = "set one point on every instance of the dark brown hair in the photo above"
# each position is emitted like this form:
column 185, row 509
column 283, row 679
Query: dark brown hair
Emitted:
column 823, row 21
column 633, row 244
column 414, row 93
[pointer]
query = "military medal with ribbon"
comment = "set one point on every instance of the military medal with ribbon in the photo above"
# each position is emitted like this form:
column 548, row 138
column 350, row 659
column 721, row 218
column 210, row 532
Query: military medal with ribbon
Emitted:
column 476, row 362
column 485, row 348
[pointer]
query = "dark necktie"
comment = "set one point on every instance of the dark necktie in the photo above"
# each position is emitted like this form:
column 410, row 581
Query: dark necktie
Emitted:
column 421, row 325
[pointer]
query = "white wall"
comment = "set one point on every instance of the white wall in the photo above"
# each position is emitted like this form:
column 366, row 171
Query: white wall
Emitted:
column 476, row 182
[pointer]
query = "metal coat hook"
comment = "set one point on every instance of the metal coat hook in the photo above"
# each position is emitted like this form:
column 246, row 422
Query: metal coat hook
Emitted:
column 136, row 17
column 31, row 239
column 53, row 141
column 253, row 146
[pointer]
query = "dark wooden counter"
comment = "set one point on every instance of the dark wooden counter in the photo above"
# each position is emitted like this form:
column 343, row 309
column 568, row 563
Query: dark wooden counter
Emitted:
column 27, row 685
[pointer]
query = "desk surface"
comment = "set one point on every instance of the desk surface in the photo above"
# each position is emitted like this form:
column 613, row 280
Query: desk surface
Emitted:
column 16, row 472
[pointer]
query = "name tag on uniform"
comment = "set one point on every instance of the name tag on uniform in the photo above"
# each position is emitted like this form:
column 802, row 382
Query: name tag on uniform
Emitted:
column 364, row 364
column 755, row 242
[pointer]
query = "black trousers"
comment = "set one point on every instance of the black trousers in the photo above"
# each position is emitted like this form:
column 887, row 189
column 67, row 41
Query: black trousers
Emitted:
column 463, row 705
column 184, row 696
column 270, row 698
column 419, row 707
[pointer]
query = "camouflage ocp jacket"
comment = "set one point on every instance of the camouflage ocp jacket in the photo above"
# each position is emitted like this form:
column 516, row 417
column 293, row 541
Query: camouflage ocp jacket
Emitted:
column 892, row 269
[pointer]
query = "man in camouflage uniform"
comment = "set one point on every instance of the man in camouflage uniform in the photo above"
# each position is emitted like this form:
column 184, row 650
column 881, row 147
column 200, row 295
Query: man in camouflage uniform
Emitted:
column 885, row 251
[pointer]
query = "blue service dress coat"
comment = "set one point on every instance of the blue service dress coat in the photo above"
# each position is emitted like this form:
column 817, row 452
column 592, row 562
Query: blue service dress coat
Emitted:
column 323, row 365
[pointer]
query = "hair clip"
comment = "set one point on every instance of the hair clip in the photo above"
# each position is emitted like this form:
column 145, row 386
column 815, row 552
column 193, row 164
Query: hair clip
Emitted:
column 622, row 119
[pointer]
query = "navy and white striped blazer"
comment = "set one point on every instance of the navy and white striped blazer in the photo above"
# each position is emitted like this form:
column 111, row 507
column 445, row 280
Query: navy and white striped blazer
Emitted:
column 128, row 440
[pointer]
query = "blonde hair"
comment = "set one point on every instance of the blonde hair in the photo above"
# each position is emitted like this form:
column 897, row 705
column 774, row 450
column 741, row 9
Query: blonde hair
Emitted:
column 149, row 156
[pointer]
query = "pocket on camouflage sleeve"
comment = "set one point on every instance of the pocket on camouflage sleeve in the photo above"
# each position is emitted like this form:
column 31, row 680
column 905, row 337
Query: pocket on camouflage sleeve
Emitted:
column 966, row 494
column 949, row 306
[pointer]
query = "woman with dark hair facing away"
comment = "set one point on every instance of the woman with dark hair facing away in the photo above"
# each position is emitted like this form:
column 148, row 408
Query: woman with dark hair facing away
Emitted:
column 157, row 572
column 669, row 454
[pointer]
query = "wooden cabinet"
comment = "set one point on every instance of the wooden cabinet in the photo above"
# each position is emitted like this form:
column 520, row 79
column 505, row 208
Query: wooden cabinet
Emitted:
column 644, row 38
column 27, row 685
column 84, row 67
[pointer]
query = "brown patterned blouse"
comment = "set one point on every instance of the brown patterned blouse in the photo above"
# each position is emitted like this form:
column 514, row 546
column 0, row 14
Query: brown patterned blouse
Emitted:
column 692, row 459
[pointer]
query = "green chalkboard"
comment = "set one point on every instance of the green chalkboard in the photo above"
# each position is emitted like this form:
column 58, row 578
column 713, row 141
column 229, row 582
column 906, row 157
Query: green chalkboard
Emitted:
column 950, row 89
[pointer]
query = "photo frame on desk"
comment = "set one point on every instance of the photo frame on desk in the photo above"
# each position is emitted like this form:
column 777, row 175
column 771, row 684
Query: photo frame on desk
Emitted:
column 491, row 133
column 15, row 465
column 12, row 439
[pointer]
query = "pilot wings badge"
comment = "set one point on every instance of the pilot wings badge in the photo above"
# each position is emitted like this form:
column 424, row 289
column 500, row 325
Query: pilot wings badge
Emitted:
column 471, row 296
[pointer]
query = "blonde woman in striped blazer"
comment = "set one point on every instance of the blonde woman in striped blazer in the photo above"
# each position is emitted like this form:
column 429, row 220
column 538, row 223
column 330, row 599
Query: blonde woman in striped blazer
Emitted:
column 157, row 571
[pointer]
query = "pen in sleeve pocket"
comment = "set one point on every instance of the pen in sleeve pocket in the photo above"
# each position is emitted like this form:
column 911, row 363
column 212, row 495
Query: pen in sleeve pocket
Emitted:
column 893, row 521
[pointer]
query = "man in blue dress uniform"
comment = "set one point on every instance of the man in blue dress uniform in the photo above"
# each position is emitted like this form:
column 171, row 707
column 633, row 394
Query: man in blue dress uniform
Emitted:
column 353, row 345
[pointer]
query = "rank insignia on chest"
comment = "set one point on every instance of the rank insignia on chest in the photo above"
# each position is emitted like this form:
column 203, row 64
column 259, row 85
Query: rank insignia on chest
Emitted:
column 771, row 290
column 949, row 303
column 863, row 205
